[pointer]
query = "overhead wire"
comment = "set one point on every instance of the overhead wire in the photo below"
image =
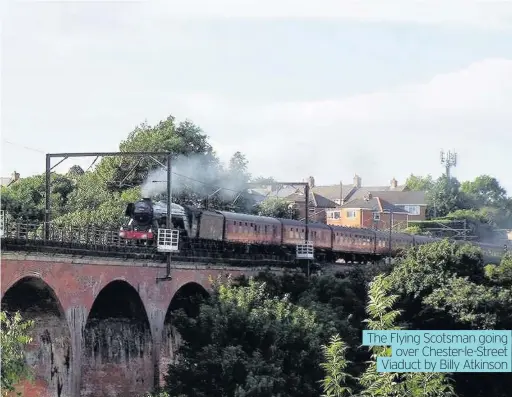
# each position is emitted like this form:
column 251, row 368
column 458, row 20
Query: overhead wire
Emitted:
column 174, row 173
column 22, row 146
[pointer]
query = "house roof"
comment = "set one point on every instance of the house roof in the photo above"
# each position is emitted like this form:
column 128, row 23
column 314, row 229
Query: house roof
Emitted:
column 282, row 193
column 333, row 192
column 374, row 204
column 395, row 197
column 319, row 201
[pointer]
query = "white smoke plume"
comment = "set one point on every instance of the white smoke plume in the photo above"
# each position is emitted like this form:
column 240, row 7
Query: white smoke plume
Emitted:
column 196, row 174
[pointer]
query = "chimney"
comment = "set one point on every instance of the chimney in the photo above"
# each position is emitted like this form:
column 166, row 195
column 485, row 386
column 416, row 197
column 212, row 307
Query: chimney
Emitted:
column 341, row 193
column 15, row 176
column 311, row 181
column 394, row 183
column 357, row 181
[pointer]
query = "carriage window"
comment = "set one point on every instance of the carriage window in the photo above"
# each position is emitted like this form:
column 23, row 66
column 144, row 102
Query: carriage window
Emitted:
column 265, row 229
column 245, row 223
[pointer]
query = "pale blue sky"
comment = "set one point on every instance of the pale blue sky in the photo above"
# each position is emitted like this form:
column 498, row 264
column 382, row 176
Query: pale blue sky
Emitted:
column 371, row 90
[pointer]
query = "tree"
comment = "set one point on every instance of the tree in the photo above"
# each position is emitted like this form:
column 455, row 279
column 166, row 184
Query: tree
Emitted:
column 484, row 191
column 14, row 337
column 246, row 343
column 108, row 213
column 277, row 207
column 238, row 166
column 263, row 181
column 502, row 274
column 75, row 171
column 182, row 139
column 382, row 316
column 334, row 383
column 419, row 183
column 444, row 197
column 25, row 199
column 444, row 285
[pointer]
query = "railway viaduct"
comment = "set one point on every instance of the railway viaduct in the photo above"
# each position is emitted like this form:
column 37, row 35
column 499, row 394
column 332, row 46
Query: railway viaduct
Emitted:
column 102, row 326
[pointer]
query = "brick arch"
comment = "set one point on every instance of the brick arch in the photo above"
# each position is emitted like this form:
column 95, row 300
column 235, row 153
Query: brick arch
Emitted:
column 118, row 341
column 104, row 283
column 170, row 339
column 50, row 354
column 50, row 282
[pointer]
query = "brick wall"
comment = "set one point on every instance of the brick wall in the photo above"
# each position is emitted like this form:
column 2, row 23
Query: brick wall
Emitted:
column 115, row 354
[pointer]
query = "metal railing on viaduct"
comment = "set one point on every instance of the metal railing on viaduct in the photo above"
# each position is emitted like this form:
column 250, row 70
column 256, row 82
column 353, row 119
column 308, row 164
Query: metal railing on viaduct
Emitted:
column 94, row 241
column 102, row 310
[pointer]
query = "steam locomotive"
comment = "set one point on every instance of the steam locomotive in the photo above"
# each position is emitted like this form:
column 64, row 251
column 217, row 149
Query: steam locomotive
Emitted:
column 237, row 232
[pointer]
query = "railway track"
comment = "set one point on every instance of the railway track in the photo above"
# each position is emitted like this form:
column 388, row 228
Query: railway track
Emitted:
column 95, row 242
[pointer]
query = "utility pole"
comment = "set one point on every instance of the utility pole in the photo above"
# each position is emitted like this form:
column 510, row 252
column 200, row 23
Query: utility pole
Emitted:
column 64, row 156
column 169, row 212
column 306, row 196
column 449, row 160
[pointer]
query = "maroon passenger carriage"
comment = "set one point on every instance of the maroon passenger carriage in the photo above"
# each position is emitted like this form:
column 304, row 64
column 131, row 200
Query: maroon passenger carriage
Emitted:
column 221, row 231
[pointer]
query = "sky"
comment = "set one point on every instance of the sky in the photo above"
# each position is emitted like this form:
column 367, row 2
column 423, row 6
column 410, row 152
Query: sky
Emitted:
column 328, row 89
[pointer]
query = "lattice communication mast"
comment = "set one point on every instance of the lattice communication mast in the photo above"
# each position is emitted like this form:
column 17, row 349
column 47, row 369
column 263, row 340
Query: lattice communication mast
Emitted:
column 449, row 160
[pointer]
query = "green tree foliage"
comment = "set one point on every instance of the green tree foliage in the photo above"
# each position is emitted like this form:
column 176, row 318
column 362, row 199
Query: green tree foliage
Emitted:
column 25, row 199
column 444, row 197
column 75, row 171
column 484, row 191
column 13, row 339
column 334, row 383
column 263, row 181
column 502, row 274
column 382, row 316
column 277, row 207
column 419, row 183
column 238, row 167
column 245, row 342
column 482, row 201
column 182, row 138
column 446, row 286
column 108, row 214
column 98, row 198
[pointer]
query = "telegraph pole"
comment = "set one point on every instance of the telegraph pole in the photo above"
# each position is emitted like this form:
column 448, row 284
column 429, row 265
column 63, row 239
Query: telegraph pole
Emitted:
column 449, row 160
column 306, row 197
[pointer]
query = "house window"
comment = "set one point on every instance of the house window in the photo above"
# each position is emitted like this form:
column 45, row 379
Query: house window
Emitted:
column 412, row 209
column 351, row 214
column 376, row 216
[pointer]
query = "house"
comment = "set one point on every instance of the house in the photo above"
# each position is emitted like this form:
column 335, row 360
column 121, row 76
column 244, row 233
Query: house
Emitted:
column 318, row 206
column 341, row 193
column 411, row 201
column 7, row 181
column 369, row 212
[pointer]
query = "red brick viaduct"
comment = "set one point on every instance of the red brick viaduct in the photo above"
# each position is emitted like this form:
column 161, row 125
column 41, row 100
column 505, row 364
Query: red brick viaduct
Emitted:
column 102, row 327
